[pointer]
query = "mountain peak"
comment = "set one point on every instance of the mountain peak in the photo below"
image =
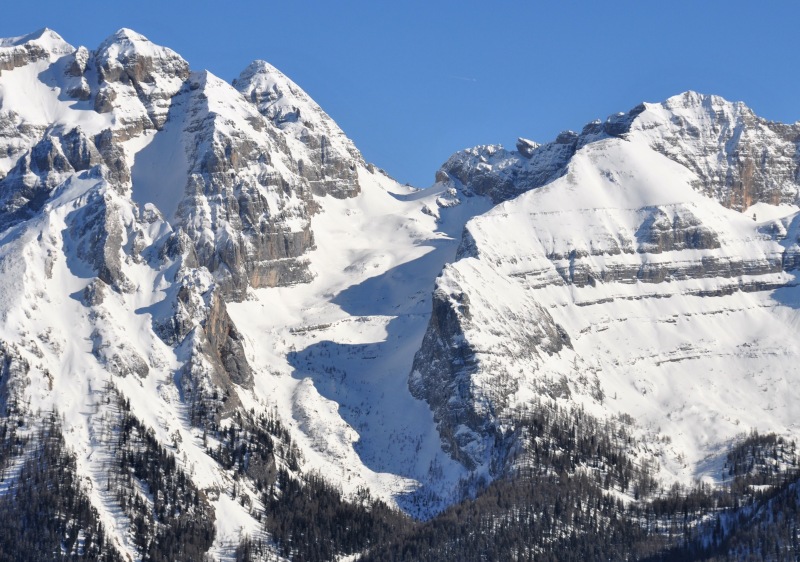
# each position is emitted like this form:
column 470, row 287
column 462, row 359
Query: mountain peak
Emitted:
column 277, row 97
column 292, row 110
column 44, row 38
column 130, row 35
column 127, row 43
column 260, row 66
column 691, row 99
column 128, row 57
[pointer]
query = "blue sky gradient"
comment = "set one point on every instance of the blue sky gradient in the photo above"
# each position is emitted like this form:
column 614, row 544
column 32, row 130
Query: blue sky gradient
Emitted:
column 411, row 82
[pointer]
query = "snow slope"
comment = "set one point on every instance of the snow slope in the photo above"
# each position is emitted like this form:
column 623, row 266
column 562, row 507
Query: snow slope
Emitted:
column 336, row 352
column 621, row 286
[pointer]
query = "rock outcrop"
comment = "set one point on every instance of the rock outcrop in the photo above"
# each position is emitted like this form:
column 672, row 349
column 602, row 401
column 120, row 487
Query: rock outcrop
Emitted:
column 326, row 158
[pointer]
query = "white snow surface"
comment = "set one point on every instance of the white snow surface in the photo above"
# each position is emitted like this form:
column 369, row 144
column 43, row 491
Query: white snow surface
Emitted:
column 696, row 361
column 335, row 354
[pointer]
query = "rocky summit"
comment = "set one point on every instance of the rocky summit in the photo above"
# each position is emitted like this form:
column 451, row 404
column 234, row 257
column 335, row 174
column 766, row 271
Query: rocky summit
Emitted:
column 225, row 336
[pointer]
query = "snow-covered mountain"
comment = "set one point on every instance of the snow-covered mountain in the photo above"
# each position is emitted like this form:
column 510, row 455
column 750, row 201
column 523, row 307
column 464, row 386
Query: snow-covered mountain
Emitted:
column 195, row 251
column 209, row 299
column 646, row 267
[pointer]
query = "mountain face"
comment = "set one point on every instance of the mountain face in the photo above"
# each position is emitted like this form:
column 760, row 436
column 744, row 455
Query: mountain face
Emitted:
column 189, row 295
column 225, row 335
column 619, row 272
column 328, row 159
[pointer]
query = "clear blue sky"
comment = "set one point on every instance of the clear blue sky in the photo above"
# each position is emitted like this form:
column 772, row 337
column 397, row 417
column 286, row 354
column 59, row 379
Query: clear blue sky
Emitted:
column 411, row 82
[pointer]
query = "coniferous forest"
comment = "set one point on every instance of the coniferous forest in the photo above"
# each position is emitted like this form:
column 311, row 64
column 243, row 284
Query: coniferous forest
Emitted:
column 568, row 497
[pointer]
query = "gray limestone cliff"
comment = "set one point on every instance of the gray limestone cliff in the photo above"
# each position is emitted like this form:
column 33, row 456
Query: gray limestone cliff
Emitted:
column 447, row 368
column 326, row 158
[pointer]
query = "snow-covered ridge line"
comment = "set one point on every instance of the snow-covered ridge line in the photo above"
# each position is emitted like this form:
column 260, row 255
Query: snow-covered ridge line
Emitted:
column 738, row 158
column 620, row 260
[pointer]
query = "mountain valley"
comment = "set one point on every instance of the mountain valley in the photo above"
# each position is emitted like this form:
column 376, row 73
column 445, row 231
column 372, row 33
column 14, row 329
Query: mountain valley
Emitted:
column 226, row 336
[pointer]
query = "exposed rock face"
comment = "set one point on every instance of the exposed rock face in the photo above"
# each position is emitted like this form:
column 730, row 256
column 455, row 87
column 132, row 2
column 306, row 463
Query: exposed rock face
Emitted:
column 198, row 311
column 41, row 45
column 225, row 343
column 328, row 160
column 740, row 159
column 199, row 323
column 23, row 194
column 245, row 209
column 47, row 164
column 96, row 232
column 500, row 174
column 132, row 72
column 526, row 147
column 660, row 233
column 456, row 375
column 80, row 152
